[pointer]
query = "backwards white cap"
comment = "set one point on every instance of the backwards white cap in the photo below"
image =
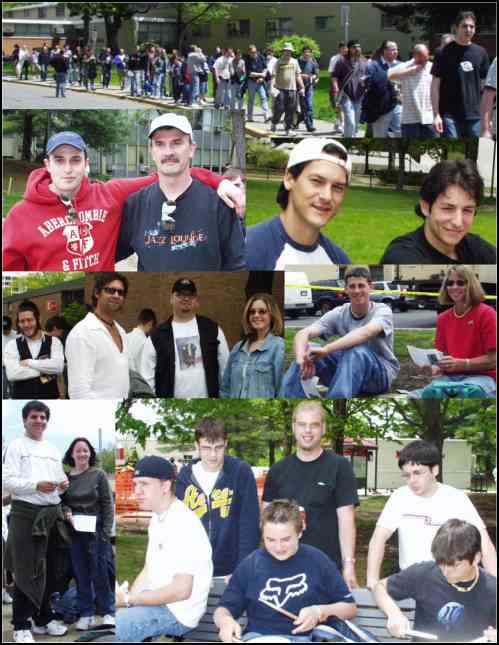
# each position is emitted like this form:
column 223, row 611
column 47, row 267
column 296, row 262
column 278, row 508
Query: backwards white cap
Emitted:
column 312, row 149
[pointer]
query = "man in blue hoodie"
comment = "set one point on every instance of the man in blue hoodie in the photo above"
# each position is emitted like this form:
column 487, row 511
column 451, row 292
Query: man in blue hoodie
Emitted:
column 221, row 490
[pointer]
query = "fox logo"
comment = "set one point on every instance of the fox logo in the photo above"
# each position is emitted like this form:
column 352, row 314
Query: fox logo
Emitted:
column 279, row 590
column 79, row 238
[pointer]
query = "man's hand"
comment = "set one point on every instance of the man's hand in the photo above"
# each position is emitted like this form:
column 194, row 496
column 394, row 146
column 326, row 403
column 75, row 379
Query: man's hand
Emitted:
column 349, row 575
column 438, row 124
column 316, row 353
column 230, row 631
column 398, row 625
column 233, row 196
column 46, row 487
column 451, row 364
column 63, row 485
column 24, row 363
column 371, row 583
column 307, row 367
column 308, row 619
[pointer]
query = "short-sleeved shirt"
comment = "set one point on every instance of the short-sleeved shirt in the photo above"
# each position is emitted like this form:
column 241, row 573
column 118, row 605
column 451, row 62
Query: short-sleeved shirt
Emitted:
column 286, row 74
column 441, row 609
column 320, row 487
column 307, row 578
column 414, row 248
column 206, row 234
column 418, row 519
column 178, row 545
column 460, row 69
column 469, row 336
column 270, row 248
column 416, row 92
column 339, row 322
column 350, row 77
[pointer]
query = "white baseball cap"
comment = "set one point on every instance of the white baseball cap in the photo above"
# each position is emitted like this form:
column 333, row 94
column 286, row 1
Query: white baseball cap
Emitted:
column 288, row 46
column 312, row 150
column 171, row 120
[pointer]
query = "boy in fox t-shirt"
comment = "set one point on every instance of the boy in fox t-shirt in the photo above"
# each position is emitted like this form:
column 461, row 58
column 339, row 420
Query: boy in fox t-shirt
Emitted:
column 65, row 222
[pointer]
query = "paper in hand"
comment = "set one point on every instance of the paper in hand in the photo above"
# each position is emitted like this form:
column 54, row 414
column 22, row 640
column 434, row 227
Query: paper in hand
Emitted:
column 85, row 523
column 424, row 357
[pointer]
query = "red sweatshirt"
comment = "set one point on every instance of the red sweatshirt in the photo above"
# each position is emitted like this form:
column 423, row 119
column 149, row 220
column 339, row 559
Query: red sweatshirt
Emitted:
column 39, row 236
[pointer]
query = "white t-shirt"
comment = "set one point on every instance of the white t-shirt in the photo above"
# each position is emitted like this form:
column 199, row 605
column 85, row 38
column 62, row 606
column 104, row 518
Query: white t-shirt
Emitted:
column 416, row 94
column 291, row 255
column 178, row 544
column 135, row 340
column 28, row 462
column 418, row 519
column 332, row 62
column 205, row 479
column 6, row 338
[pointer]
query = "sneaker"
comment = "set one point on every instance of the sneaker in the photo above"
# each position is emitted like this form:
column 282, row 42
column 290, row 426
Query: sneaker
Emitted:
column 54, row 628
column 273, row 127
column 108, row 620
column 7, row 599
column 23, row 636
column 290, row 133
column 85, row 622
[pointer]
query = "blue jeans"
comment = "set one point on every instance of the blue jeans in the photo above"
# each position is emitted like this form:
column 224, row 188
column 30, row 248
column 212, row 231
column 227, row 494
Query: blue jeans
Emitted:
column 395, row 125
column 255, row 88
column 351, row 112
column 60, row 82
column 354, row 371
column 418, row 131
column 308, row 117
column 89, row 558
column 135, row 624
column 236, row 97
column 454, row 129
column 223, row 93
column 159, row 86
column 290, row 637
column 195, row 89
column 44, row 71
column 487, row 383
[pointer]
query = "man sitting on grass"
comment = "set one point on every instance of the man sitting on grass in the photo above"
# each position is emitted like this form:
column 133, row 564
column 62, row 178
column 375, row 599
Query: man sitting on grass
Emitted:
column 455, row 598
column 361, row 360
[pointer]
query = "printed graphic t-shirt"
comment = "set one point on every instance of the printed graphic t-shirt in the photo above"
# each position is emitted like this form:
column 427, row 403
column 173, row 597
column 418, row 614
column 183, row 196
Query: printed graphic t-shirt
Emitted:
column 190, row 378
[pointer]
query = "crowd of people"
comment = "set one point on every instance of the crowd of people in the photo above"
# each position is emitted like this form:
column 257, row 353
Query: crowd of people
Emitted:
column 451, row 96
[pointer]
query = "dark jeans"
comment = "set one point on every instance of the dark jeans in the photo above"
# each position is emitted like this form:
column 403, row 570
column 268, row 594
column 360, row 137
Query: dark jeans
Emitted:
column 454, row 129
column 176, row 88
column 106, row 77
column 23, row 608
column 308, row 116
column 60, row 82
column 44, row 70
column 89, row 558
column 285, row 102
column 418, row 131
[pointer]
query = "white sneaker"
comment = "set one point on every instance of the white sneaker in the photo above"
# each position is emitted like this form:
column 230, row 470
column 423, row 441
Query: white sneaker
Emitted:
column 85, row 622
column 108, row 620
column 54, row 628
column 23, row 636
column 7, row 599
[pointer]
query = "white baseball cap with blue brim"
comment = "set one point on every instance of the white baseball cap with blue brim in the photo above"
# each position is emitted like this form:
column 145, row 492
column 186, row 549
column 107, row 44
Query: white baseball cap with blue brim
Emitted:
column 171, row 120
column 312, row 149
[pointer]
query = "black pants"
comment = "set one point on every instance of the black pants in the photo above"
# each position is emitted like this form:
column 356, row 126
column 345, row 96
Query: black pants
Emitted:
column 23, row 608
column 285, row 102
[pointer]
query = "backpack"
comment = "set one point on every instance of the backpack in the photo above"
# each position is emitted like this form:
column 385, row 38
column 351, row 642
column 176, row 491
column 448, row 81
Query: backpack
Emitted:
column 442, row 389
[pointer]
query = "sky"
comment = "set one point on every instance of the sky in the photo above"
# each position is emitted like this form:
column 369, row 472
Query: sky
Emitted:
column 68, row 420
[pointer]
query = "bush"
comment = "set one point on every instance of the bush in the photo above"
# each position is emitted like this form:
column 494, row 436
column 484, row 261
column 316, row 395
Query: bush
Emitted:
column 411, row 178
column 73, row 313
column 298, row 42
column 260, row 155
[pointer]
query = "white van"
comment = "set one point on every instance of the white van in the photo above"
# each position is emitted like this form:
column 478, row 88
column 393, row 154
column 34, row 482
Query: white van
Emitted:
column 297, row 294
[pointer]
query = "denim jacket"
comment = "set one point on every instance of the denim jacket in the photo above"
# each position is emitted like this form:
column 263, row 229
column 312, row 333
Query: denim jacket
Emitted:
column 257, row 374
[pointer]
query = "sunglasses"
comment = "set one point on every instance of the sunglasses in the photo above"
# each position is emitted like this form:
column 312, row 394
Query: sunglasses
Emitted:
column 260, row 312
column 113, row 290
column 457, row 283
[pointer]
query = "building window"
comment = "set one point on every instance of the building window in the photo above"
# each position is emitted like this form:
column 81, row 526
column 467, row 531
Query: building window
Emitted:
column 42, row 12
column 238, row 27
column 388, row 21
column 277, row 27
column 324, row 23
column 161, row 33
column 201, row 30
column 8, row 14
column 26, row 13
column 60, row 12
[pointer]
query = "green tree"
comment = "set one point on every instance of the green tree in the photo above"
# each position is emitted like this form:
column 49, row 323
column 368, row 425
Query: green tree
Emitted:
column 191, row 14
column 107, row 461
column 42, row 280
column 74, row 312
column 298, row 42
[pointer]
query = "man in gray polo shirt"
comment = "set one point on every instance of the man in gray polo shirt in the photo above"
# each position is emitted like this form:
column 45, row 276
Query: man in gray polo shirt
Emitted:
column 361, row 361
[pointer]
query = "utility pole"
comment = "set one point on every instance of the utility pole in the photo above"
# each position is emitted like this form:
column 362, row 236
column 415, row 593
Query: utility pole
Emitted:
column 345, row 20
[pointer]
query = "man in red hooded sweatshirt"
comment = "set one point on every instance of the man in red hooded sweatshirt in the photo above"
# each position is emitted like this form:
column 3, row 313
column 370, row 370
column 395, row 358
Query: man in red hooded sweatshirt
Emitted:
column 65, row 222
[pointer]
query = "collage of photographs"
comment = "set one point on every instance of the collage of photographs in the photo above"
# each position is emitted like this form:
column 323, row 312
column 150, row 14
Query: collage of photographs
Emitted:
column 249, row 322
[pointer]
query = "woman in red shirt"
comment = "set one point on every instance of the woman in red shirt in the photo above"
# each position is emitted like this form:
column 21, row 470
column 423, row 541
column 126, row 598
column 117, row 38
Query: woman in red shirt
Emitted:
column 466, row 334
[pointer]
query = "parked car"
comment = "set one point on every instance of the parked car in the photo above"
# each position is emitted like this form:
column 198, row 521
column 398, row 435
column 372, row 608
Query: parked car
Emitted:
column 394, row 300
column 297, row 294
column 325, row 299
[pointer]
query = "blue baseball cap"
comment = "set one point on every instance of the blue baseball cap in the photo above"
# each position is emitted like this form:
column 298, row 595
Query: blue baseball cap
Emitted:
column 66, row 138
column 156, row 467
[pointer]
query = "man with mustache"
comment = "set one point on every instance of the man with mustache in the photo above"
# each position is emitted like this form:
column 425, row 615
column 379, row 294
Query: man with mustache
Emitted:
column 178, row 223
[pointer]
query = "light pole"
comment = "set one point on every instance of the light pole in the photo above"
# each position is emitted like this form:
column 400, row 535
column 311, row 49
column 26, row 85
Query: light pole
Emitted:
column 345, row 19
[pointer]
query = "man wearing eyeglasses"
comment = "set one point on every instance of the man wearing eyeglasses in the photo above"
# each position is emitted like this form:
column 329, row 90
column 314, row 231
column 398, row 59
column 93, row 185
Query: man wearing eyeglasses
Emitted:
column 324, row 485
column 418, row 509
column 177, row 223
column 65, row 222
column 185, row 357
column 221, row 490
column 96, row 347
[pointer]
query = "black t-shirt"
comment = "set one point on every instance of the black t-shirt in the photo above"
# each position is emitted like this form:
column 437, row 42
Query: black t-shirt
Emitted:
column 206, row 235
column 460, row 69
column 450, row 614
column 414, row 248
column 320, row 486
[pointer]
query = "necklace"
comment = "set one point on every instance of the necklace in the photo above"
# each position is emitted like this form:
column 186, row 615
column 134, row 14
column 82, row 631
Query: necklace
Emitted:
column 358, row 317
column 463, row 314
column 109, row 324
column 472, row 586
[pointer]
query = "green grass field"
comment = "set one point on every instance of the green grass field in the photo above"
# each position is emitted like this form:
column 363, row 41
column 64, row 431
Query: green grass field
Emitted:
column 369, row 218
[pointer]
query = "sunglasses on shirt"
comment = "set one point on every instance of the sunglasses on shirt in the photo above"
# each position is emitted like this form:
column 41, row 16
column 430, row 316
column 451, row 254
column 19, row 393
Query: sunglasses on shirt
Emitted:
column 113, row 290
column 457, row 283
column 71, row 210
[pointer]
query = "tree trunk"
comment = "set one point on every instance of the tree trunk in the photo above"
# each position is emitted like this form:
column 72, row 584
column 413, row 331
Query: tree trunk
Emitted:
column 431, row 412
column 271, row 453
column 471, row 149
column 391, row 159
column 180, row 27
column 112, row 28
column 366, row 161
column 27, row 135
column 86, row 28
column 340, row 410
column 238, row 139
column 403, row 148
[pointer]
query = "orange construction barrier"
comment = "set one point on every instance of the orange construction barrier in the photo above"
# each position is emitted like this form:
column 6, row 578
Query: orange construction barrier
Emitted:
column 125, row 499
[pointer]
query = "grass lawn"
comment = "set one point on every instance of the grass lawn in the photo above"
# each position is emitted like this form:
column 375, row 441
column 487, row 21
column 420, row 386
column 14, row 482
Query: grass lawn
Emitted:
column 8, row 201
column 376, row 215
column 130, row 555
